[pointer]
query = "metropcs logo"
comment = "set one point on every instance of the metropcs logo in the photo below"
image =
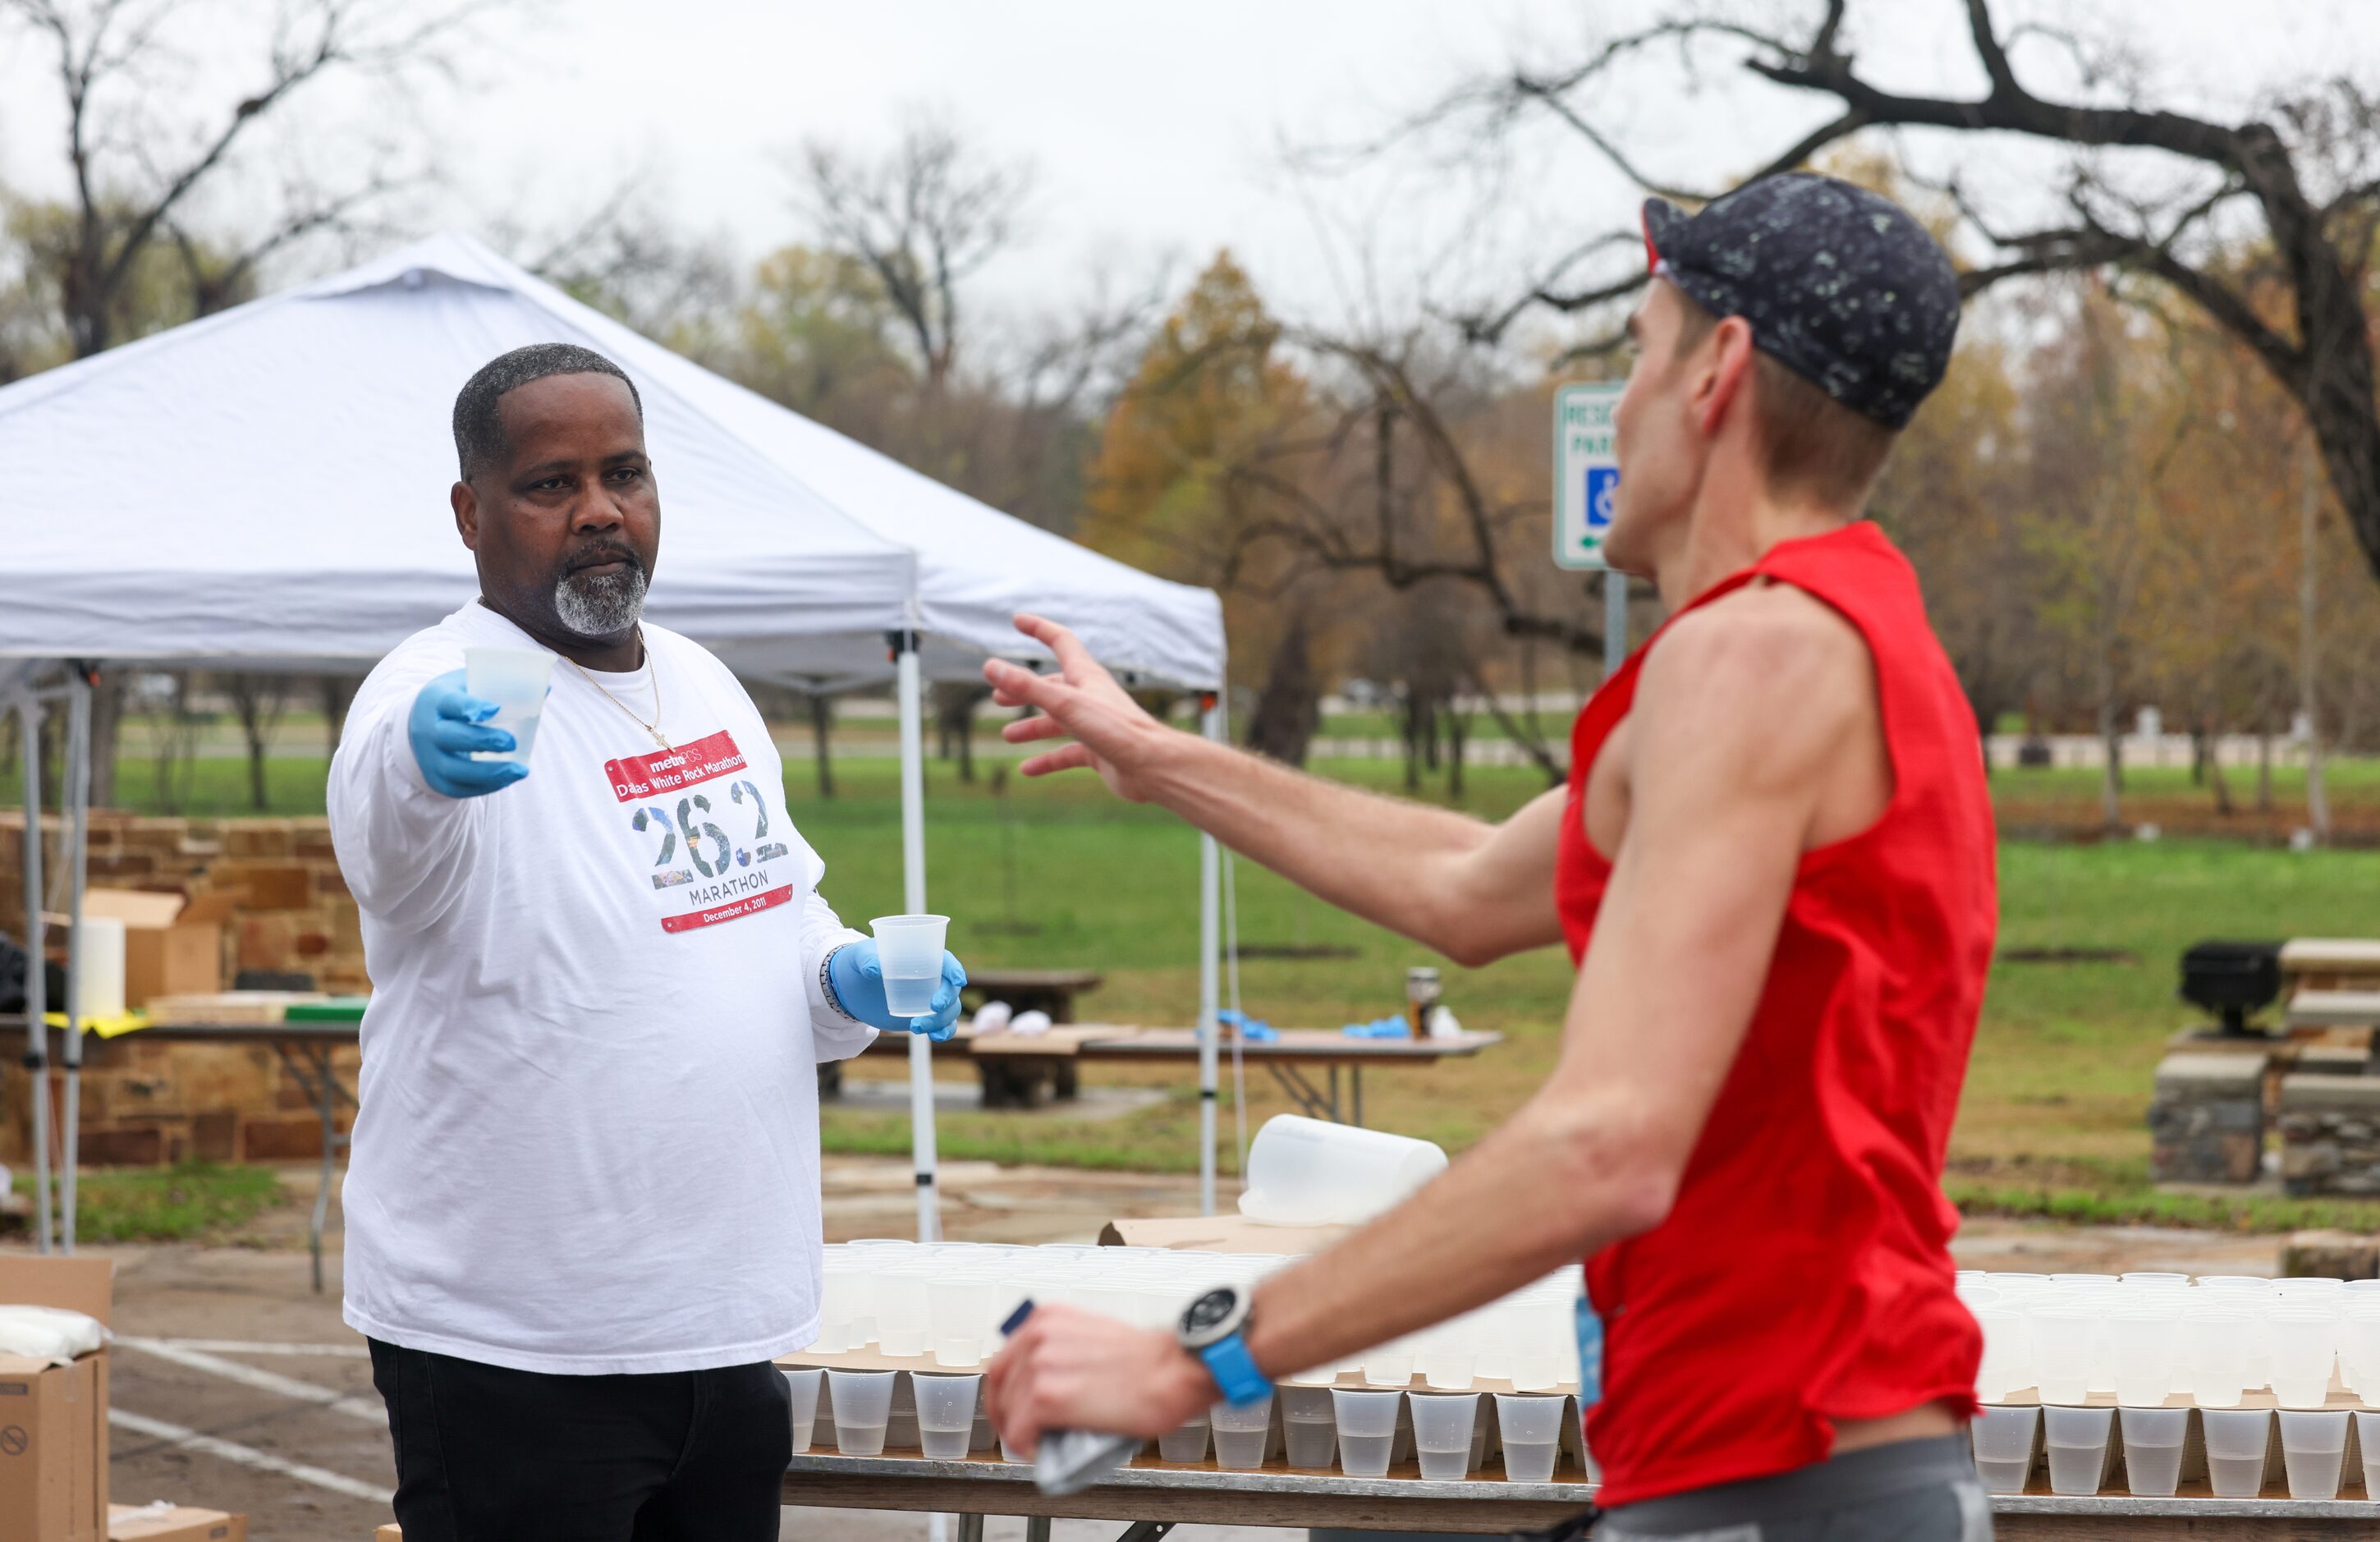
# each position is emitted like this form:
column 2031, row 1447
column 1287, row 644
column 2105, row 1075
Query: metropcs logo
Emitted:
column 715, row 876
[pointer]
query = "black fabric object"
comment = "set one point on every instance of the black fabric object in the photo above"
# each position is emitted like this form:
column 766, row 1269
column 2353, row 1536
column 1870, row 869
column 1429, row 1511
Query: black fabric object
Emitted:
column 1842, row 285
column 13, row 978
column 487, row 1454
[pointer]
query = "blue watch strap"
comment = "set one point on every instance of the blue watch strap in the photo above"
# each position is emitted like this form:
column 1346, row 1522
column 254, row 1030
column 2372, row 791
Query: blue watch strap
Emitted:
column 1235, row 1372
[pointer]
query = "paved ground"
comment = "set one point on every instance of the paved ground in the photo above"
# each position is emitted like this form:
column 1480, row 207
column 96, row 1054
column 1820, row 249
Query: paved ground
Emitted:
column 235, row 1386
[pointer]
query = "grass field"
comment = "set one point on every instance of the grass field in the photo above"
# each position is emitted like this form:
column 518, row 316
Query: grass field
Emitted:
column 1058, row 873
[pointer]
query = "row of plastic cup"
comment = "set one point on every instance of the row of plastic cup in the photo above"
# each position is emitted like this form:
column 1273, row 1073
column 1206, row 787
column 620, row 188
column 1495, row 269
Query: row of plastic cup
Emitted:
column 1363, row 1429
column 2143, row 1338
column 947, row 1300
column 2077, row 1445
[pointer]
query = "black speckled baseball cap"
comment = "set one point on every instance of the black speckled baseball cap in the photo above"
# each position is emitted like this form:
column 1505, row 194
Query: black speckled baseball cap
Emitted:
column 1842, row 285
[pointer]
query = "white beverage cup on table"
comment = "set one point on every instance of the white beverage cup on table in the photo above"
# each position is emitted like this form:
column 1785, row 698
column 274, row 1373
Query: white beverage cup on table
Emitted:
column 910, row 949
column 946, row 1407
column 514, row 679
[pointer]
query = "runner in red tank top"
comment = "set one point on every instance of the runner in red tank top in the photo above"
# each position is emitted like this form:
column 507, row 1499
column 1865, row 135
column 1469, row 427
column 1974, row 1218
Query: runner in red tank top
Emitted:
column 1780, row 961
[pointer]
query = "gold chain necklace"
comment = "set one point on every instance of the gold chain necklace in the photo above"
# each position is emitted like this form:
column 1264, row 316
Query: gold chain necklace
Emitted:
column 654, row 727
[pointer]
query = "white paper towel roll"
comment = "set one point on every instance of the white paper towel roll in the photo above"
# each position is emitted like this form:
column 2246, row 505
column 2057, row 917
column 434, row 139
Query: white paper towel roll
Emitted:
column 99, row 985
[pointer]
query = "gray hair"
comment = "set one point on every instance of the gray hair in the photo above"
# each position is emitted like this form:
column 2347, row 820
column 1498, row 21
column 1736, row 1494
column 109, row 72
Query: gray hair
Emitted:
column 479, row 433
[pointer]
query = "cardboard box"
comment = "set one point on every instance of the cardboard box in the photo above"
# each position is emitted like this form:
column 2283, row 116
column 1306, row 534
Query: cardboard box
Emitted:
column 388, row 1533
column 179, row 1522
column 1221, row 1234
column 54, row 1418
column 172, row 946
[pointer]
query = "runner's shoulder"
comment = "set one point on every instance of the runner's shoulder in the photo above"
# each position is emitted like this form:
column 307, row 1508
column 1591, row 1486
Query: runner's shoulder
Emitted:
column 1765, row 651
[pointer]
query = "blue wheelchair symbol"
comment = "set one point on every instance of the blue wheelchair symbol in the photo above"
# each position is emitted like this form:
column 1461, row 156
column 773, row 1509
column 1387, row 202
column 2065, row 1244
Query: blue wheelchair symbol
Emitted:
column 1602, row 485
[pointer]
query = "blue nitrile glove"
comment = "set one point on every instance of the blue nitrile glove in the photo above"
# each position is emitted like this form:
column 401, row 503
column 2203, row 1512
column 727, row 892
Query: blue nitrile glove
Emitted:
column 857, row 976
column 447, row 724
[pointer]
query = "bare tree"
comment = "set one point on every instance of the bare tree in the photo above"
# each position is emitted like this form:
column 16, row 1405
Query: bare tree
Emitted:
column 2147, row 189
column 924, row 218
column 127, row 198
column 259, row 700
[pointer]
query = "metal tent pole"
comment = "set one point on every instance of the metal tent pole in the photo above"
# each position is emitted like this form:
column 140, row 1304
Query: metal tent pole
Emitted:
column 912, row 885
column 78, row 791
column 1210, row 932
column 37, row 1005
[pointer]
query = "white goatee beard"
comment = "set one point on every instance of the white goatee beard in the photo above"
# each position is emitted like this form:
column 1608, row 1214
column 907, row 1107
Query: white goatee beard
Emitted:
column 601, row 606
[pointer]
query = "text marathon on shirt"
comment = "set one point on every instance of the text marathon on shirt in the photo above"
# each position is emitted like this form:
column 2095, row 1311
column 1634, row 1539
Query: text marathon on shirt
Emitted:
column 729, row 875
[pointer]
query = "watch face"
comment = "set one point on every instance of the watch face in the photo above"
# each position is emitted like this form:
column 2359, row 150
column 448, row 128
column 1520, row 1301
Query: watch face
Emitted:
column 1210, row 1311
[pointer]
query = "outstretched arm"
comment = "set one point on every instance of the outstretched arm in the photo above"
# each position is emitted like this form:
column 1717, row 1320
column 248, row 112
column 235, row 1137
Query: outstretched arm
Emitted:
column 1472, row 890
column 1742, row 723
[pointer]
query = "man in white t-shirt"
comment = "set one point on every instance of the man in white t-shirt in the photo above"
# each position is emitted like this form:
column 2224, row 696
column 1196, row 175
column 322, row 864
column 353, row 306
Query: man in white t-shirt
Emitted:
column 583, row 1204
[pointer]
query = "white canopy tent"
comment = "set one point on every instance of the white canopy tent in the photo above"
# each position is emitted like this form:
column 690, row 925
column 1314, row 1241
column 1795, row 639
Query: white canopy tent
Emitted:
column 262, row 490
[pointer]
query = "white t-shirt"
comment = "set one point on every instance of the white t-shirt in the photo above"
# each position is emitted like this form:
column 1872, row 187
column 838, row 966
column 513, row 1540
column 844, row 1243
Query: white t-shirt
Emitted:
column 587, row 1140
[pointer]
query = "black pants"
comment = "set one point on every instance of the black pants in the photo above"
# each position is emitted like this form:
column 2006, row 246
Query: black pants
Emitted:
column 485, row 1454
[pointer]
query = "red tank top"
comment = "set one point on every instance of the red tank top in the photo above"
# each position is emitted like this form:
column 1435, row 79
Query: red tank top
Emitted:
column 1804, row 1273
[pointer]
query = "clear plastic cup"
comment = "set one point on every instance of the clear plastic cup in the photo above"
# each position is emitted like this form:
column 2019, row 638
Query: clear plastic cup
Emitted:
column 2004, row 1367
column 1442, row 1424
column 946, row 1407
column 1390, row 1364
column 1367, row 1431
column 2236, row 1438
column 1530, row 1430
column 2304, row 1346
column 2153, row 1440
column 2218, row 1345
column 2313, row 1448
column 1241, row 1433
column 2003, row 1439
column 903, row 1318
column 514, row 679
column 1309, row 1427
column 1186, row 1444
column 956, row 1308
column 2077, row 1443
column 802, row 1388
column 2146, row 1342
column 2065, row 1340
column 2148, row 1277
column 863, row 1408
column 910, row 949
column 2367, row 1438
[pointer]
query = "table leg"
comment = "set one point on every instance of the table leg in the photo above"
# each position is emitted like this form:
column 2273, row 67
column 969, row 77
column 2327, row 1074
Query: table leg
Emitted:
column 1356, row 1090
column 970, row 1528
column 1036, row 1528
column 312, row 1067
column 1145, row 1531
column 1334, row 1095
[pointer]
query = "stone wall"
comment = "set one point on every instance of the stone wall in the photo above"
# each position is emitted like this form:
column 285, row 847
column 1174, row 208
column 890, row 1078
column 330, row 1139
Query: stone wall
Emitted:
column 2330, row 1134
column 2206, row 1124
column 160, row 1102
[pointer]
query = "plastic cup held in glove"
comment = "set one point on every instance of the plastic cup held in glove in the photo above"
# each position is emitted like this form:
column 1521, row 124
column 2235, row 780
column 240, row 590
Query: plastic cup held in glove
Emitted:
column 514, row 679
column 910, row 950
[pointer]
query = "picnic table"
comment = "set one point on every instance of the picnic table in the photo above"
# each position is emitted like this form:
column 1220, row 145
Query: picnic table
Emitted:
column 1153, row 1497
column 304, row 1048
column 1029, row 1059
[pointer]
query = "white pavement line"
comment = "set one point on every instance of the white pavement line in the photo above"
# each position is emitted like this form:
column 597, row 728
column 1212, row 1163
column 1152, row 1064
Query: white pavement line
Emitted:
column 248, row 1456
column 245, row 1346
column 369, row 1410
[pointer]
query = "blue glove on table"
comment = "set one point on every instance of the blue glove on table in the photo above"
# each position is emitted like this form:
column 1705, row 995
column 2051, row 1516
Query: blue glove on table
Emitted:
column 445, row 727
column 857, row 977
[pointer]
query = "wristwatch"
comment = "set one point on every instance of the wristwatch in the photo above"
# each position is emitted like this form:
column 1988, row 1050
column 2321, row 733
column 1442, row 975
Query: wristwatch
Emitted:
column 1214, row 1329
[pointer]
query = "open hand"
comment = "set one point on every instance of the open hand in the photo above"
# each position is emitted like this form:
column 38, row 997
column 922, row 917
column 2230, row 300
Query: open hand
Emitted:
column 1112, row 735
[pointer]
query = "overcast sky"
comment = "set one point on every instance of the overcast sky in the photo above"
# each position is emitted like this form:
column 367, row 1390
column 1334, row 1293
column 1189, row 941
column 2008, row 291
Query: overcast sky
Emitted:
column 1159, row 130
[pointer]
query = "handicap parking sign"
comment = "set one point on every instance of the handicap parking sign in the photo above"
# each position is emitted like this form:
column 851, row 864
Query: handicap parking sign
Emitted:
column 1602, row 484
column 1586, row 472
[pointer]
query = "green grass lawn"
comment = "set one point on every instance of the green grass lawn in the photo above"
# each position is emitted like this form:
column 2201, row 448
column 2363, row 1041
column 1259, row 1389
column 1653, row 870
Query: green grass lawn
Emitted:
column 2052, row 1120
column 172, row 1204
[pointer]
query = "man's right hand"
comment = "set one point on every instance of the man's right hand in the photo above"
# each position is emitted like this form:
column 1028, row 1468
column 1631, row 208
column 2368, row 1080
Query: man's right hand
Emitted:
column 1112, row 734
column 446, row 726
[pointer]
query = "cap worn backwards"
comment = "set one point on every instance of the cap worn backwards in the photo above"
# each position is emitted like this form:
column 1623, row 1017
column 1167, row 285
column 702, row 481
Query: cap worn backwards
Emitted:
column 1839, row 284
